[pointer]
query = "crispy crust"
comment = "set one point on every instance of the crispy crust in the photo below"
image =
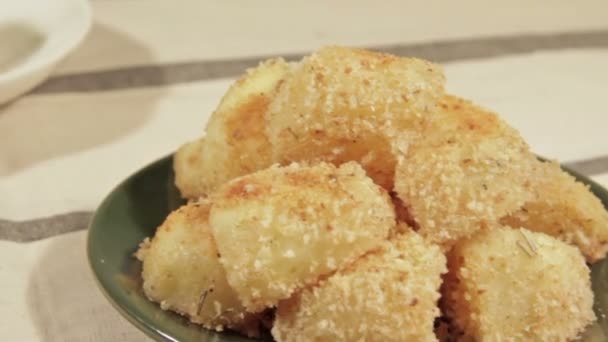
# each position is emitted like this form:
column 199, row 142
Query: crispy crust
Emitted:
column 312, row 236
column 388, row 295
column 565, row 209
column 499, row 286
column 236, row 142
column 284, row 227
column 467, row 170
column 342, row 104
column 188, row 167
column 182, row 272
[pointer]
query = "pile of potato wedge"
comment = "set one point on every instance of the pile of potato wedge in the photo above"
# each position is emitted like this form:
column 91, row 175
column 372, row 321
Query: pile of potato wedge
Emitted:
column 348, row 197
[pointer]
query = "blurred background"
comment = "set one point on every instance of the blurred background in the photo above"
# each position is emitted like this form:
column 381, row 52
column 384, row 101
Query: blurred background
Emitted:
column 144, row 75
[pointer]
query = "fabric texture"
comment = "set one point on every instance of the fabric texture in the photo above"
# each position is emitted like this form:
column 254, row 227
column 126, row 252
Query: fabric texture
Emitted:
column 136, row 89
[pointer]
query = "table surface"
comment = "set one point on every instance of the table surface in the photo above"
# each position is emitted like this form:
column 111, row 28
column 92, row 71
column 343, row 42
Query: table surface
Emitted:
column 150, row 72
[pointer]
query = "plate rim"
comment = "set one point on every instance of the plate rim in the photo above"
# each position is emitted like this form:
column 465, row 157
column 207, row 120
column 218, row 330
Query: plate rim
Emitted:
column 133, row 318
column 159, row 335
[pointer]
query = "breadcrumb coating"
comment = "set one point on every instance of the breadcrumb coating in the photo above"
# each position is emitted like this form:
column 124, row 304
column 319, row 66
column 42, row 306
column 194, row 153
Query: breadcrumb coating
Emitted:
column 282, row 228
column 182, row 272
column 236, row 143
column 467, row 170
column 188, row 166
column 565, row 209
column 514, row 284
column 387, row 295
column 333, row 189
column 342, row 104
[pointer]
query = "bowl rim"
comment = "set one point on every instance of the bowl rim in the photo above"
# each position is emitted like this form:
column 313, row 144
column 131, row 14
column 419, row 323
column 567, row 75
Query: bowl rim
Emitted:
column 46, row 58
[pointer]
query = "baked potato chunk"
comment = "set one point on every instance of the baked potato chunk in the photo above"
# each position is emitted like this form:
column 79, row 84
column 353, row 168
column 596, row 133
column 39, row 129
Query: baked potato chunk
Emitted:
column 517, row 284
column 283, row 228
column 182, row 272
column 467, row 170
column 188, row 166
column 565, row 209
column 342, row 104
column 387, row 295
column 235, row 143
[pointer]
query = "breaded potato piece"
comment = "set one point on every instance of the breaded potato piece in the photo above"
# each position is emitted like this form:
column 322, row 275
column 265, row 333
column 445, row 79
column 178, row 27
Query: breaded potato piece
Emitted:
column 182, row 272
column 519, row 285
column 387, row 295
column 282, row 228
column 342, row 104
column 469, row 169
column 236, row 143
column 565, row 209
column 188, row 166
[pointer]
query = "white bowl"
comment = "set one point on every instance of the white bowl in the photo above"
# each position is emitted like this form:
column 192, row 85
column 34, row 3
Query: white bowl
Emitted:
column 34, row 36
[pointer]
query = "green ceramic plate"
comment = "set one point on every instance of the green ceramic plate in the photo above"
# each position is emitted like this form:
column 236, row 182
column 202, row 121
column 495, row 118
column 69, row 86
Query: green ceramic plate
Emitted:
column 136, row 207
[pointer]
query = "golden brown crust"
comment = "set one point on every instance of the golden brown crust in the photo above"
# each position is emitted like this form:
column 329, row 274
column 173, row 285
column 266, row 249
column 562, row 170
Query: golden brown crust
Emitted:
column 236, row 143
column 467, row 170
column 284, row 227
column 519, row 284
column 188, row 166
column 387, row 295
column 565, row 209
column 312, row 236
column 342, row 104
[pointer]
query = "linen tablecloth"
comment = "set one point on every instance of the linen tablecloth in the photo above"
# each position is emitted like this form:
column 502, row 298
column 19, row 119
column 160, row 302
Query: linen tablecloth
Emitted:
column 150, row 73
